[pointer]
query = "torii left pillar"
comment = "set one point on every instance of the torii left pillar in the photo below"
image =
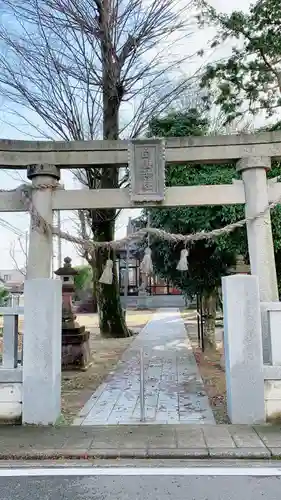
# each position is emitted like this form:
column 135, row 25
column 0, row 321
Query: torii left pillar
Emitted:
column 40, row 244
column 42, row 313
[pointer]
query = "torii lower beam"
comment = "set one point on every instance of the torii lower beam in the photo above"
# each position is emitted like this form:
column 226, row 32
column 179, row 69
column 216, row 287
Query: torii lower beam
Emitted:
column 78, row 199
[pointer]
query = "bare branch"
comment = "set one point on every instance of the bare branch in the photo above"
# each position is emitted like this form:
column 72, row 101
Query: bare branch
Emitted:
column 80, row 69
column 12, row 253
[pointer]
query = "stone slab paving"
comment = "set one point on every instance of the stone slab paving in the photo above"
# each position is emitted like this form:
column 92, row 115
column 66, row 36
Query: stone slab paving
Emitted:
column 140, row 441
column 174, row 391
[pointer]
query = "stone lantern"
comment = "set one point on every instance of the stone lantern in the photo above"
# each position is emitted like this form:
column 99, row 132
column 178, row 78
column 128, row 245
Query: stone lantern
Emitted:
column 75, row 340
column 240, row 266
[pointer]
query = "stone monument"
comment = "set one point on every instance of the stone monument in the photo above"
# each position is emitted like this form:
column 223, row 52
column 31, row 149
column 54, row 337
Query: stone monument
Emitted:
column 75, row 339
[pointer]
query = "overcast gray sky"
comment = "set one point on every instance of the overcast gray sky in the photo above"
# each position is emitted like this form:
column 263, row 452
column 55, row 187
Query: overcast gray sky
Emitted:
column 229, row 5
column 21, row 221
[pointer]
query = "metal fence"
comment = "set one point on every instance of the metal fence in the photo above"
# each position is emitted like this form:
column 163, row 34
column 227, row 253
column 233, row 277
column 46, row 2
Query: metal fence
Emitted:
column 13, row 300
column 11, row 359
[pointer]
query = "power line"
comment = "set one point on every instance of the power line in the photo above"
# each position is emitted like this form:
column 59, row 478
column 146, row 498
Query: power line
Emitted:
column 10, row 227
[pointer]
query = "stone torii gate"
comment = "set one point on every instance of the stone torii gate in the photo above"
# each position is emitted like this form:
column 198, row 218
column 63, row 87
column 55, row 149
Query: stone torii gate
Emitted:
column 251, row 153
column 147, row 158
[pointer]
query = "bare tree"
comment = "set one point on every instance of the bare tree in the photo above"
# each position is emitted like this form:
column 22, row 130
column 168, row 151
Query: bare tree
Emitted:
column 94, row 68
column 14, row 259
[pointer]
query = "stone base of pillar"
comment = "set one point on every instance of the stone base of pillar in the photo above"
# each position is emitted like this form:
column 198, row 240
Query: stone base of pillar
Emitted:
column 41, row 370
column 243, row 354
column 76, row 352
column 142, row 302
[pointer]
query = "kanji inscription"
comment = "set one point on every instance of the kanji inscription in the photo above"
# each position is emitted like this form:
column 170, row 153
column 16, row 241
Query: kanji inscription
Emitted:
column 147, row 170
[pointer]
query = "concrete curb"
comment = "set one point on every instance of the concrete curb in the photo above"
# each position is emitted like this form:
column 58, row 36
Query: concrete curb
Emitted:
column 224, row 453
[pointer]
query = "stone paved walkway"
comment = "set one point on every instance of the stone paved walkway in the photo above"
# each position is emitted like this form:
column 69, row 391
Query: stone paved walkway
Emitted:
column 174, row 391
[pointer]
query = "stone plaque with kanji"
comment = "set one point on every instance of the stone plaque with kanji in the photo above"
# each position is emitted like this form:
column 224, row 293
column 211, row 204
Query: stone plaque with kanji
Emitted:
column 147, row 170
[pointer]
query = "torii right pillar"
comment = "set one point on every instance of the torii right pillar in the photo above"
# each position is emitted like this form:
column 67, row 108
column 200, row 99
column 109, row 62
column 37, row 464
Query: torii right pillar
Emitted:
column 259, row 231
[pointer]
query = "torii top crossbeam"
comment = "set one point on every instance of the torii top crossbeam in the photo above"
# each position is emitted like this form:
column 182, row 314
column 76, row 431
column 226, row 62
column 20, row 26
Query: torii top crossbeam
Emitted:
column 77, row 154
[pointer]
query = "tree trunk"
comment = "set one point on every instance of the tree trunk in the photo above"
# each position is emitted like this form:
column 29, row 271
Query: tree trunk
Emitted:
column 111, row 317
column 94, row 286
column 209, row 311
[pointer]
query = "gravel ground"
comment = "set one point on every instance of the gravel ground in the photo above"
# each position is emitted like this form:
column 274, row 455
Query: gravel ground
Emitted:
column 211, row 372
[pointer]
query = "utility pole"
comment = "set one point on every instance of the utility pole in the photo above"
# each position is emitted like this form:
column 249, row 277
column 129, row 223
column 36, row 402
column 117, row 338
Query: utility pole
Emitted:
column 26, row 250
column 148, row 244
column 148, row 225
column 126, row 284
column 59, row 241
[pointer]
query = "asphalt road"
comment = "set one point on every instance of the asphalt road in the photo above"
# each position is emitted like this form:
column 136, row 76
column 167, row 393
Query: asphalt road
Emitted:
column 223, row 486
